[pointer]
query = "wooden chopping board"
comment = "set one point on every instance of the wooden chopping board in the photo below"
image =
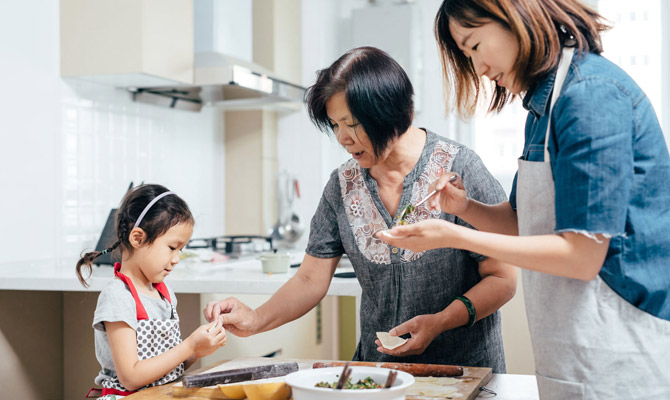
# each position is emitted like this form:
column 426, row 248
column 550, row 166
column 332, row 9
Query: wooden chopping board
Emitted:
column 466, row 386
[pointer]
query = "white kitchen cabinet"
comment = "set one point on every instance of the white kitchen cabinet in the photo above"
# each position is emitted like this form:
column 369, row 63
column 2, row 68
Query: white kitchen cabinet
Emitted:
column 127, row 43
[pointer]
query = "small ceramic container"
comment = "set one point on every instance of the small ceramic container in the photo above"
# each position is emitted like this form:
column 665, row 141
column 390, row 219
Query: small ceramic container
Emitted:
column 275, row 263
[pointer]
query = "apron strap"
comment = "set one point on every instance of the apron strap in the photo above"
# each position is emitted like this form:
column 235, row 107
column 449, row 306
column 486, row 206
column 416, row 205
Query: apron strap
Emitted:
column 163, row 290
column 561, row 73
column 106, row 391
column 141, row 311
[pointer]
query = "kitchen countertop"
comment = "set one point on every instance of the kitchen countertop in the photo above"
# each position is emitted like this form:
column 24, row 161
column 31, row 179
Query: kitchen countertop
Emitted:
column 506, row 387
column 235, row 276
column 511, row 387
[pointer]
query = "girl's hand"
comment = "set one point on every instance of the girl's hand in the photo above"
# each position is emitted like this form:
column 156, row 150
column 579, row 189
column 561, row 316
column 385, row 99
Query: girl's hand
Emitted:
column 207, row 339
column 450, row 197
column 236, row 316
column 423, row 330
column 424, row 235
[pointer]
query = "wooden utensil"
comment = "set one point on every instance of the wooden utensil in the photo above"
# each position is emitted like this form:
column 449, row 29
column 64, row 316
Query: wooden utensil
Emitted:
column 411, row 207
column 344, row 376
column 414, row 369
column 239, row 375
column 390, row 379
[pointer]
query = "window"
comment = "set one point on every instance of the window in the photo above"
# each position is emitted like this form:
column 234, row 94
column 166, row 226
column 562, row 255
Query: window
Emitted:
column 638, row 43
column 635, row 44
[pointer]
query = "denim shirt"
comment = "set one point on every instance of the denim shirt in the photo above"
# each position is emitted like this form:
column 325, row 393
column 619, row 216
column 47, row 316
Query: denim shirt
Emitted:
column 611, row 174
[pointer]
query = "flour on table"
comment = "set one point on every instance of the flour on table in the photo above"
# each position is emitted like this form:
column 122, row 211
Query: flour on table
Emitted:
column 434, row 387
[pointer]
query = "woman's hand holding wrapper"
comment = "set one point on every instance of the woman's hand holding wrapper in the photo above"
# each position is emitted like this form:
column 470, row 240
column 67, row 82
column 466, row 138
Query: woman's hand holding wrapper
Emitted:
column 423, row 329
column 451, row 198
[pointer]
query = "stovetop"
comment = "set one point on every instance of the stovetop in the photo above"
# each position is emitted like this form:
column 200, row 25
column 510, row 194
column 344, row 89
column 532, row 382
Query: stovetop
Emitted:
column 234, row 245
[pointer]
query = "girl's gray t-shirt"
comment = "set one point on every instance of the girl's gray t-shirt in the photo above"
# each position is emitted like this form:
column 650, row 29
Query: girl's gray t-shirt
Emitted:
column 116, row 304
column 398, row 284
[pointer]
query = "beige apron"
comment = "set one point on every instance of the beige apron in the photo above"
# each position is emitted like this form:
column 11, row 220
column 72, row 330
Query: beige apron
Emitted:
column 589, row 343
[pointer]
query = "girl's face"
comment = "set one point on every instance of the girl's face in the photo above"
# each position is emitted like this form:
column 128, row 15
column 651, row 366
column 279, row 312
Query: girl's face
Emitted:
column 157, row 259
column 492, row 49
column 349, row 132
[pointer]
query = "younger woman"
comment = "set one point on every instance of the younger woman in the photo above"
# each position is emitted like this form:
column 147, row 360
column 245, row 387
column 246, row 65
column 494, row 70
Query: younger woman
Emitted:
column 137, row 337
column 589, row 214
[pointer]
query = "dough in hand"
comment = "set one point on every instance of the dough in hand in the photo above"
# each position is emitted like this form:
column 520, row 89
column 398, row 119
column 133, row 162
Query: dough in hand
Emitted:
column 390, row 342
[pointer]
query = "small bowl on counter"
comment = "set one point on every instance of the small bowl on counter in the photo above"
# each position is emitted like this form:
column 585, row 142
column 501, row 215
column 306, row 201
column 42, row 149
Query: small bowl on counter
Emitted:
column 303, row 384
column 275, row 263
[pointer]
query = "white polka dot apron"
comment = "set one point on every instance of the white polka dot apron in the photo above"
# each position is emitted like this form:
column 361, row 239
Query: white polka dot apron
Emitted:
column 154, row 337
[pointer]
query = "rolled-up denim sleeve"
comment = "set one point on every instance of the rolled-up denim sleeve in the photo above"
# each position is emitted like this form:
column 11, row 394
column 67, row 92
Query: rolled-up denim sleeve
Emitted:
column 593, row 167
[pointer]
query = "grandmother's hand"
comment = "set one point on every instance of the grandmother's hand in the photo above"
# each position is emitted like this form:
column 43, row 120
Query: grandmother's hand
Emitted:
column 423, row 330
column 236, row 316
column 451, row 196
column 424, row 235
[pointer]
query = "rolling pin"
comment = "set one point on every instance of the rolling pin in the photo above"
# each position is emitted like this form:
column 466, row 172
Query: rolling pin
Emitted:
column 239, row 375
column 412, row 369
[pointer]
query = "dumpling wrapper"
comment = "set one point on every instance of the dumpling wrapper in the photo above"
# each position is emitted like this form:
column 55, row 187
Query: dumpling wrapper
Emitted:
column 390, row 342
column 387, row 233
column 434, row 387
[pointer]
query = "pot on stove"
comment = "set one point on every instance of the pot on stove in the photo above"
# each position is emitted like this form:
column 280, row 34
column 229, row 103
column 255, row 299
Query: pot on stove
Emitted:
column 234, row 244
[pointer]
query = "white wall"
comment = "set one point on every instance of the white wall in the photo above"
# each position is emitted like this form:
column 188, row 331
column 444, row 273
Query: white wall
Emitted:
column 70, row 149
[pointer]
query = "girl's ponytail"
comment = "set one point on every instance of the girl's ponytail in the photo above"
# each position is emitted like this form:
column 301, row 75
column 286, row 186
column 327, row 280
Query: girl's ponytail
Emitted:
column 87, row 261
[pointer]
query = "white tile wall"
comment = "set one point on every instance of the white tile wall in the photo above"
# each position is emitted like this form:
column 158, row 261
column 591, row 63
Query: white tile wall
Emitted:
column 70, row 149
column 109, row 141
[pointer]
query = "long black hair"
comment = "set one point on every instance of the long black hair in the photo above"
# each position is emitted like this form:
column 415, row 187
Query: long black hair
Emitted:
column 377, row 90
column 167, row 212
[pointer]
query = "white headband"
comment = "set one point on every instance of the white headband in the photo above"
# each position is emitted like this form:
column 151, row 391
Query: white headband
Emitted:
column 146, row 209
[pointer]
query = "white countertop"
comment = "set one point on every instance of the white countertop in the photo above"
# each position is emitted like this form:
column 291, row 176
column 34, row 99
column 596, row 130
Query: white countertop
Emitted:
column 234, row 276
column 511, row 387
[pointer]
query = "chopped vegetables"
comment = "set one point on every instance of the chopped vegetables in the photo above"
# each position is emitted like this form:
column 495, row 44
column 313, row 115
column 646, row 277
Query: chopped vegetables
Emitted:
column 405, row 211
column 367, row 383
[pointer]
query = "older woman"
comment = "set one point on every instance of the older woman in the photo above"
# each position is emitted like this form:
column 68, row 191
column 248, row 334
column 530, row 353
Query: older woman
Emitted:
column 445, row 300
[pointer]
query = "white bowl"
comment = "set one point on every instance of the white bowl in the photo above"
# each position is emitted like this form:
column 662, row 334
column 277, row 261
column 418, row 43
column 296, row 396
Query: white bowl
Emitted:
column 302, row 383
column 276, row 263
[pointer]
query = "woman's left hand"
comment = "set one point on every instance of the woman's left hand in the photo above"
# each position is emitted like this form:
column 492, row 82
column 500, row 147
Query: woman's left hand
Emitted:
column 423, row 330
column 424, row 235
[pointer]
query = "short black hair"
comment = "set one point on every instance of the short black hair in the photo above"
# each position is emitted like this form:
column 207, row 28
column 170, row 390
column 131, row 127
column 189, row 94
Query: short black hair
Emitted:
column 377, row 90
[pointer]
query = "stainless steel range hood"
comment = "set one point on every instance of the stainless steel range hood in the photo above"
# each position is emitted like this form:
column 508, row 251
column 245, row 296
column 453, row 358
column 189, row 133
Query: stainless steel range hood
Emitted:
column 228, row 83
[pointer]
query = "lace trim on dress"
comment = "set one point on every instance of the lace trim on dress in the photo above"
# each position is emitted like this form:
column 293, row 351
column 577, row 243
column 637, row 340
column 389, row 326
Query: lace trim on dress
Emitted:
column 364, row 217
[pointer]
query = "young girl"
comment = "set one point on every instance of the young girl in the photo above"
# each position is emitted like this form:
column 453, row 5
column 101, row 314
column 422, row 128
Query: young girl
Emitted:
column 137, row 337
column 590, row 203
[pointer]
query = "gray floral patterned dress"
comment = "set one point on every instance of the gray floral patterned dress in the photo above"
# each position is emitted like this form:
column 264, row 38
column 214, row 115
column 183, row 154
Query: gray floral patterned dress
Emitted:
column 399, row 284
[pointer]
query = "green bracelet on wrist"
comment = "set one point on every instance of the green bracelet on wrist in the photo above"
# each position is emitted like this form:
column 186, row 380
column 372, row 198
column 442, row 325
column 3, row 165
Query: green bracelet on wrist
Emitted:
column 472, row 314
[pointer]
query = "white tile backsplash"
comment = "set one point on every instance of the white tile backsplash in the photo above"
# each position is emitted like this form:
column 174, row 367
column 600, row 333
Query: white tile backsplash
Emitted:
column 109, row 141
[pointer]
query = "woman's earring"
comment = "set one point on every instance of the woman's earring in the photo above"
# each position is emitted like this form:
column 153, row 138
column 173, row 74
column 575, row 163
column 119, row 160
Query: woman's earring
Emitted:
column 570, row 41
